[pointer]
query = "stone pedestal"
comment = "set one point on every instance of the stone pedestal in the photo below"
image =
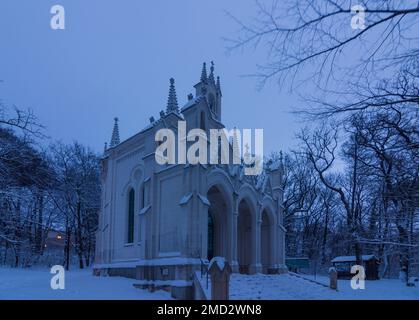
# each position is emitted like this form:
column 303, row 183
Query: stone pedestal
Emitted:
column 333, row 275
column 220, row 271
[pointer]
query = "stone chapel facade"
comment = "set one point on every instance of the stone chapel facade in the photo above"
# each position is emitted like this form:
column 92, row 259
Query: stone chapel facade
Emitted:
column 159, row 223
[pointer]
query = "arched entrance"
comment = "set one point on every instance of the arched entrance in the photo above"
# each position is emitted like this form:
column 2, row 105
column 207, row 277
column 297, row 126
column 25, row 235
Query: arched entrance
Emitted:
column 244, row 237
column 218, row 235
column 266, row 241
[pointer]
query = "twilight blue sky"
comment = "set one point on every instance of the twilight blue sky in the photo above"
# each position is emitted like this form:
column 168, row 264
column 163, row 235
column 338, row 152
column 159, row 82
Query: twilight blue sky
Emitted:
column 115, row 58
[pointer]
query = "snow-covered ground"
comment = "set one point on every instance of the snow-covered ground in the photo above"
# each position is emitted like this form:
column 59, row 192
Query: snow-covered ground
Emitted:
column 35, row 284
column 276, row 287
column 288, row 287
column 384, row 289
column 24, row 284
column 291, row 287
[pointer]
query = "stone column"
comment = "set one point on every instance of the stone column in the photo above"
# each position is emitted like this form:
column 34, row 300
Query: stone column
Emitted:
column 275, row 247
column 233, row 242
column 282, row 268
column 256, row 266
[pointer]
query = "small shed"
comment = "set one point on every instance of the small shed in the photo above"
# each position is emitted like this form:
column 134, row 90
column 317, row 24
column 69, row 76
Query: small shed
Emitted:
column 295, row 264
column 343, row 266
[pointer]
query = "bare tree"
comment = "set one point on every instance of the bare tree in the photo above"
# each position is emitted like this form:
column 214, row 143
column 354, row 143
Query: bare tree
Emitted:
column 24, row 120
column 321, row 148
column 79, row 196
column 398, row 92
column 25, row 177
column 338, row 70
column 389, row 141
column 362, row 82
column 302, row 34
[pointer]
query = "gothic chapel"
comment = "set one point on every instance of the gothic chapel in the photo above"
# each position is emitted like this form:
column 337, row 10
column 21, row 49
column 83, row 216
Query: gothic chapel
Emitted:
column 158, row 223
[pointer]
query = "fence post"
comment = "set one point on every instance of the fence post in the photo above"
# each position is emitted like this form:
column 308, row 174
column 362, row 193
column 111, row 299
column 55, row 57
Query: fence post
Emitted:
column 333, row 275
column 220, row 271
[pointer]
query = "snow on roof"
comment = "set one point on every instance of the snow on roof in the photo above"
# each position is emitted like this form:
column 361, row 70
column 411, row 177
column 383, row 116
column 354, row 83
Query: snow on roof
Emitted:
column 150, row 125
column 365, row 257
column 192, row 102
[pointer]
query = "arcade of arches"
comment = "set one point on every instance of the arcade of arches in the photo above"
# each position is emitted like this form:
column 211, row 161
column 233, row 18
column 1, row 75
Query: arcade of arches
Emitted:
column 242, row 232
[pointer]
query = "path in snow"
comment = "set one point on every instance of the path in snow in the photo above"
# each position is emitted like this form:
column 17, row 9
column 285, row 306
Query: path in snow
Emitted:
column 288, row 287
column 277, row 287
column 25, row 284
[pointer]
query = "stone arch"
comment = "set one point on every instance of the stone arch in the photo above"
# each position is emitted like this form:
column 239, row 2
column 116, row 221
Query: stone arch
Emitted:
column 220, row 177
column 127, row 187
column 247, row 192
column 268, row 243
column 135, row 180
column 132, row 189
column 247, row 233
column 268, row 205
column 219, row 193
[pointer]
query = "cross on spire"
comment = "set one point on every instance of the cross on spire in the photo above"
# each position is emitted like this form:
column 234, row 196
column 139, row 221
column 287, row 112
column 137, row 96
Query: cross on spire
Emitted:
column 115, row 134
column 172, row 105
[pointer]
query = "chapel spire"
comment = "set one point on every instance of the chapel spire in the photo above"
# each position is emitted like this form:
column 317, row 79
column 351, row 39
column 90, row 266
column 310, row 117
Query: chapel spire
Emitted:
column 204, row 77
column 281, row 162
column 209, row 88
column 115, row 134
column 211, row 76
column 172, row 104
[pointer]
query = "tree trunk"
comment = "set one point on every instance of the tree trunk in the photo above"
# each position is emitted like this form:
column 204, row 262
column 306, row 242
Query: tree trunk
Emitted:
column 79, row 236
column 67, row 245
column 17, row 237
column 404, row 254
column 40, row 247
column 324, row 242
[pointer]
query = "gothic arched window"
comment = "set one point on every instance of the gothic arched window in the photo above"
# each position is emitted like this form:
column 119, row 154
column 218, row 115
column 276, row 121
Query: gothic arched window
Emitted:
column 142, row 196
column 131, row 206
